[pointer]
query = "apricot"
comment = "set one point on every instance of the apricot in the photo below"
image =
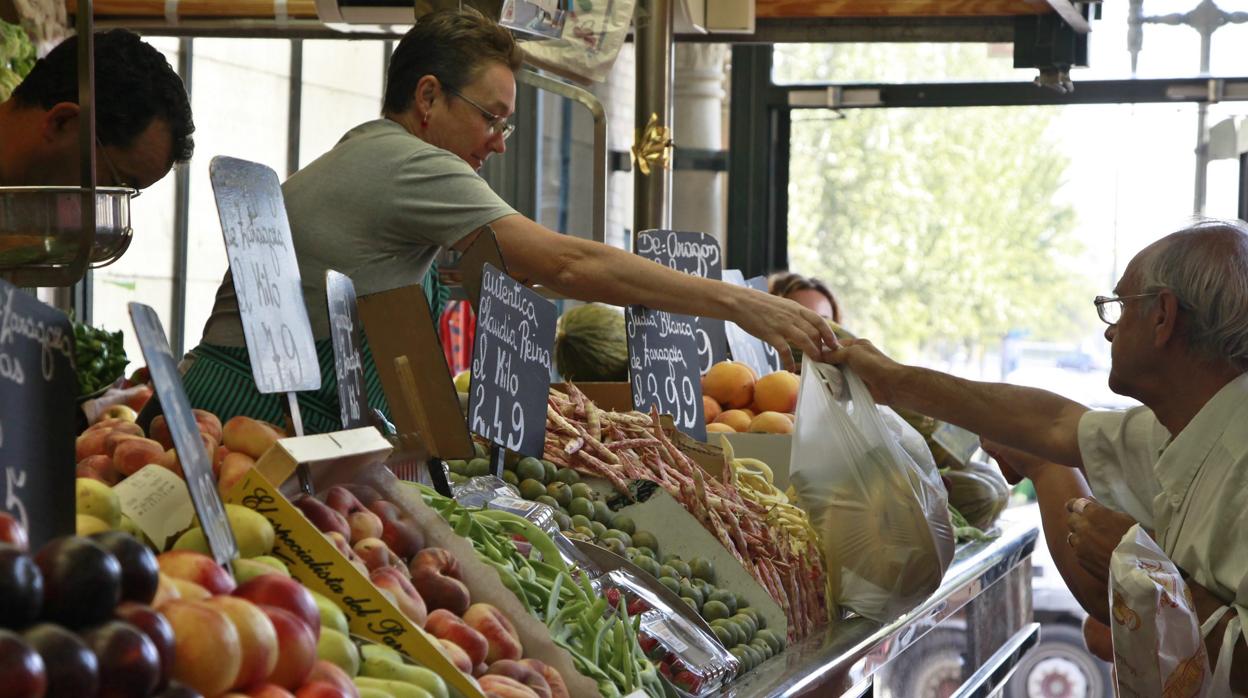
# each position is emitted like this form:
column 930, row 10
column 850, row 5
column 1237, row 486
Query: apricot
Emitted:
column 504, row 641
column 776, row 392
column 719, row 428
column 738, row 420
column 710, row 408
column 771, row 423
column 730, row 383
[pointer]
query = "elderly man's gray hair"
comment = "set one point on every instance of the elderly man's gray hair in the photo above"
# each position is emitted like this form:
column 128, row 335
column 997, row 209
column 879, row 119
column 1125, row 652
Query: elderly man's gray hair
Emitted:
column 1205, row 265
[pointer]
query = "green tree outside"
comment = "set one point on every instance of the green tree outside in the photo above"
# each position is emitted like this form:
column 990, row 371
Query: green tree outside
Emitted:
column 939, row 230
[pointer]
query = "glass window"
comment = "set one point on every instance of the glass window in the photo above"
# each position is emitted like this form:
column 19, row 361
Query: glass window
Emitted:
column 342, row 88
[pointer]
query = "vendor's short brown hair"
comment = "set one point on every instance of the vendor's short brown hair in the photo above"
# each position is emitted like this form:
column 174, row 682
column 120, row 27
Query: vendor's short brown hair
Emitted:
column 453, row 46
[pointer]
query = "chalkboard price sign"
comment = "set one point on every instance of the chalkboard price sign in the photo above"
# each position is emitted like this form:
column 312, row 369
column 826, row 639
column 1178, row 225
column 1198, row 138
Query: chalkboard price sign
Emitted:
column 186, row 440
column 697, row 254
column 662, row 367
column 511, row 364
column 266, row 276
column 745, row 347
column 38, row 383
column 344, row 332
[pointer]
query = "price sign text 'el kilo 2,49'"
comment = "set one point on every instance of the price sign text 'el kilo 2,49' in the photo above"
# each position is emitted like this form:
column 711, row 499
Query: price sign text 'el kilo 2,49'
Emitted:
column 511, row 364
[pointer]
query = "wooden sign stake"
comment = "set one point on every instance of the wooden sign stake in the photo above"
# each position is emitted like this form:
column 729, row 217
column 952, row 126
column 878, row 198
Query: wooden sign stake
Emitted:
column 435, row 466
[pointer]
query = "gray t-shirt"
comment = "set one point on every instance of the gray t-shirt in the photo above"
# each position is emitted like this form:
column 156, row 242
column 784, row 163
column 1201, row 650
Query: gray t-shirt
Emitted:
column 378, row 207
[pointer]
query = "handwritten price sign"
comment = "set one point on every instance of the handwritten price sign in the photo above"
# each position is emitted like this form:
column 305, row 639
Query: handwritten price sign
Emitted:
column 266, row 276
column 697, row 254
column 511, row 364
column 663, row 368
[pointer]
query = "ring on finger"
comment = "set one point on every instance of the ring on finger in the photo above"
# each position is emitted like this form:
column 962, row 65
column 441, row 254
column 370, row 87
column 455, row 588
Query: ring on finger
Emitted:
column 1070, row 539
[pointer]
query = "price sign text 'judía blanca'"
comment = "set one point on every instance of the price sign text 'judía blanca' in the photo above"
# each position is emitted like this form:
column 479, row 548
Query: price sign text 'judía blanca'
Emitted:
column 663, row 368
column 511, row 360
column 266, row 276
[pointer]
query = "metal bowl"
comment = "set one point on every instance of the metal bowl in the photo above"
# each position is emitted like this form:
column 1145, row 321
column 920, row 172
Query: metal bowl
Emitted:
column 41, row 227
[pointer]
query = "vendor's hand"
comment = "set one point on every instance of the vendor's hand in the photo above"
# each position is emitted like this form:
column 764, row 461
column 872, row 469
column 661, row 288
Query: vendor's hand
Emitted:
column 1094, row 532
column 875, row 369
column 781, row 322
column 1015, row 465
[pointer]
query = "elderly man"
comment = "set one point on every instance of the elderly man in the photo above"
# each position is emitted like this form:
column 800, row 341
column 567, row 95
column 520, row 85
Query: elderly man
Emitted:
column 143, row 117
column 1178, row 325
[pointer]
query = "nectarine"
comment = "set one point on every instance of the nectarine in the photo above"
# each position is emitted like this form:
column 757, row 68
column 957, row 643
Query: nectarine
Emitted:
column 739, row 420
column 776, row 392
column 730, row 383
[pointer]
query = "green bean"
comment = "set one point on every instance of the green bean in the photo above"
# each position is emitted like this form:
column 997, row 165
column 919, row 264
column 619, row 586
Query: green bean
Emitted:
column 553, row 601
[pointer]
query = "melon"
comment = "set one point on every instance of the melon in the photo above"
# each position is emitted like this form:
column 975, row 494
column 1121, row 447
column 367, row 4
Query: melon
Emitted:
column 591, row 344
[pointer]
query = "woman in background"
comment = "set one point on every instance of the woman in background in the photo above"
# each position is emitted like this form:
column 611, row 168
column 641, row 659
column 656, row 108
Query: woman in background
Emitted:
column 807, row 291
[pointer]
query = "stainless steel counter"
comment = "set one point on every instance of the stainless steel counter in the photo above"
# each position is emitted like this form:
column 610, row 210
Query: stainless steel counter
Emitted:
column 964, row 638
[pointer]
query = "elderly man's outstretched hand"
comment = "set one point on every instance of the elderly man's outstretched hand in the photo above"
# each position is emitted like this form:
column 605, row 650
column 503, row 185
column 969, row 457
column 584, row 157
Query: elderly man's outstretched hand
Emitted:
column 1094, row 532
column 872, row 366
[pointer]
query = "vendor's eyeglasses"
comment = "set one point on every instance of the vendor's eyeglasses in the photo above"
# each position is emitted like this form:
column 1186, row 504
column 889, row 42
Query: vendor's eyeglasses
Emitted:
column 112, row 170
column 1110, row 309
column 497, row 124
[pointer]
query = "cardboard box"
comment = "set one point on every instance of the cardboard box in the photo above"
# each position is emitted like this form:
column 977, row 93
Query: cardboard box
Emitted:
column 348, row 448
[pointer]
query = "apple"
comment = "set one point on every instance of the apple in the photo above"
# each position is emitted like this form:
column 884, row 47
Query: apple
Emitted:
column 21, row 588
column 21, row 667
column 296, row 647
column 140, row 573
column 257, row 637
column 157, row 629
column 81, row 581
column 269, row 690
column 324, row 671
column 123, row 412
column 320, row 689
column 198, row 568
column 285, row 593
column 207, row 654
column 11, row 532
column 76, row 671
column 129, row 661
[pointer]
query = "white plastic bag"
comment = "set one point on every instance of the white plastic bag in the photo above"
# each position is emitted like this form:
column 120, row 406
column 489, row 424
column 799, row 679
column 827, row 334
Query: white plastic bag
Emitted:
column 880, row 508
column 1159, row 646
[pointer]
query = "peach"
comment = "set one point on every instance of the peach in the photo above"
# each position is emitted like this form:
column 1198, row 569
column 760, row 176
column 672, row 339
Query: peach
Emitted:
column 445, row 625
column 268, row 690
column 296, row 645
column 257, row 638
column 134, row 453
column 341, row 500
column 504, row 641
column 495, row 686
column 436, row 575
column 248, row 435
column 558, row 689
column 771, row 423
column 408, row 599
column 776, row 392
column 196, row 567
column 710, row 408
column 159, row 431
column 285, row 593
column 207, row 653
column 91, row 443
column 208, row 424
column 525, row 674
column 115, row 437
column 375, row 554
column 166, row 590
column 321, row 515
column 792, row 417
column 730, row 383
column 98, row 467
column 138, row 397
column 321, row 689
column 233, row 469
column 364, row 524
column 114, row 423
column 739, row 420
column 401, row 534
column 171, row 461
column 189, row 591
column 719, row 428
column 218, row 458
column 325, row 671
column 457, row 655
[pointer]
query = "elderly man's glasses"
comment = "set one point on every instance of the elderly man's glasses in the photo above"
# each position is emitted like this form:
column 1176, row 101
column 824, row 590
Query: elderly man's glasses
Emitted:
column 112, row 170
column 498, row 124
column 1110, row 309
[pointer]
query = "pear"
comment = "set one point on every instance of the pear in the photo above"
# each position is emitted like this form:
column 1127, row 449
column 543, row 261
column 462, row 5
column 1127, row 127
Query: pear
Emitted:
column 332, row 617
column 397, row 689
column 337, row 648
column 87, row 524
column 252, row 532
column 97, row 499
column 380, row 667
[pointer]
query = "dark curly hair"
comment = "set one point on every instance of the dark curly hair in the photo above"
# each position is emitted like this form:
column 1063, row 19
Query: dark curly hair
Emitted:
column 134, row 84
column 450, row 45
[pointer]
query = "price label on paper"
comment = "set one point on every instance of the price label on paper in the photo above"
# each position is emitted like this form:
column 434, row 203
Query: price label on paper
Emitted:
column 266, row 276
column 196, row 465
column 697, row 254
column 663, row 367
column 157, row 501
column 511, row 364
column 344, row 332
column 38, row 385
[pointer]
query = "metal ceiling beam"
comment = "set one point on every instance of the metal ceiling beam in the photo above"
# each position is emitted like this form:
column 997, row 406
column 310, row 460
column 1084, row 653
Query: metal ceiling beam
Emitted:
column 859, row 30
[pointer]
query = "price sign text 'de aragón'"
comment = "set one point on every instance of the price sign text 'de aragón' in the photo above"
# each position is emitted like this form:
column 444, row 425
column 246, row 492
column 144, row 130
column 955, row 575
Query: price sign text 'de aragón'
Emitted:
column 266, row 276
column 697, row 254
column 38, row 385
column 663, row 367
column 192, row 455
column 511, row 364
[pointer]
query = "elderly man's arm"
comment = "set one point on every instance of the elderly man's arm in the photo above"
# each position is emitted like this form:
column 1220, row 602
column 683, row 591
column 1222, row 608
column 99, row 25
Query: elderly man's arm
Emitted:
column 1031, row 420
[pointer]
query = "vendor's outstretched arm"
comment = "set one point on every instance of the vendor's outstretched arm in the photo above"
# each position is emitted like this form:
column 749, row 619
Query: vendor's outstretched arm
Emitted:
column 1029, row 419
column 590, row 271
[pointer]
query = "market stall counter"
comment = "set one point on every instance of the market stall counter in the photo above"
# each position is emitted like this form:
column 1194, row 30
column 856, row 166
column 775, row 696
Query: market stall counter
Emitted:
column 964, row 640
